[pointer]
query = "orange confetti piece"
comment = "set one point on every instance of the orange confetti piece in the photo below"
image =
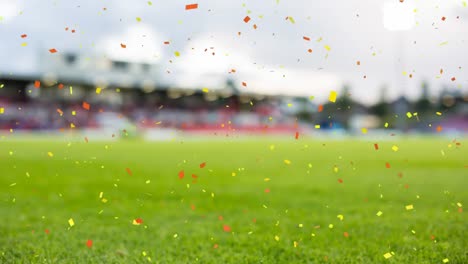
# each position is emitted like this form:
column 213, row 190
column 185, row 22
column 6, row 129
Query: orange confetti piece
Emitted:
column 453, row 79
column 85, row 106
column 226, row 228
column 255, row 26
column 24, row 36
column 139, row 221
column 340, row 180
column 191, row 6
column 202, row 165
column 129, row 171
column 306, row 38
column 181, row 174
column 443, row 18
column 309, row 50
column 376, row 146
column 439, row 128
column 166, row 42
column 246, row 19
column 320, row 108
column 59, row 111
column 244, row 84
column 89, row 243
column 37, row 84
column 123, row 46
column 52, row 50
column 345, row 234
column 297, row 135
column 358, row 63
column 387, row 165
column 60, row 86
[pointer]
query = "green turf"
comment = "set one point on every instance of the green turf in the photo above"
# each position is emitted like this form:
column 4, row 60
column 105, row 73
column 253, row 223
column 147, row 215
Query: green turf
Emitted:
column 183, row 219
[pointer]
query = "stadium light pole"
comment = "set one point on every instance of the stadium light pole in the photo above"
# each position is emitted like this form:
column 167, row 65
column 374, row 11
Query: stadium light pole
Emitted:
column 398, row 17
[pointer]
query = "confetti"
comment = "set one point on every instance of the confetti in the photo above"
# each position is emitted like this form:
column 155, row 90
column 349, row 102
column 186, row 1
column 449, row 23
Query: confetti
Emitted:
column 226, row 228
column 345, row 234
column 297, row 135
column 181, row 174
column 52, row 50
column 332, row 97
column 320, row 108
column 395, row 148
column 202, row 165
column 364, row 130
column 376, row 146
column 409, row 207
column 50, row 154
column 327, row 47
column 177, row 54
column 191, row 6
column 2, row 110
column 409, row 115
column 287, row 162
column 138, row 19
column 89, row 243
column 246, row 19
column 129, row 172
column 379, row 213
column 387, row 165
column 85, row 106
column 387, row 255
column 24, row 36
column 306, row 38
column 137, row 221
column 445, row 260
column 277, row 238
column 37, row 84
column 244, row 84
column 98, row 90
column 123, row 46
column 71, row 222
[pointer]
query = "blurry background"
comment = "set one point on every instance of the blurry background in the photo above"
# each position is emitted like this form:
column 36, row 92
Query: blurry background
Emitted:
column 155, row 69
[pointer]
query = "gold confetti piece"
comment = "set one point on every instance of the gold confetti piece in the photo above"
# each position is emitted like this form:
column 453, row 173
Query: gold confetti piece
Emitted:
column 317, row 126
column 73, row 113
column 205, row 90
column 394, row 148
column 295, row 244
column 379, row 213
column 364, row 130
column 327, row 47
column 138, row 19
column 292, row 20
column 177, row 54
column 445, row 260
column 409, row 115
column 71, row 222
column 341, row 217
column 388, row 255
column 72, row 125
column 50, row 154
column 277, row 238
column 2, row 110
column 24, row 44
column 98, row 90
column 438, row 113
column 332, row 97
column 287, row 162
column 409, row 207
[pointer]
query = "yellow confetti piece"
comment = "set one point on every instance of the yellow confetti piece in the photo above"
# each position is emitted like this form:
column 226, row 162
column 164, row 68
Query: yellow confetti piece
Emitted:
column 332, row 97
column 74, row 113
column 205, row 90
column 386, row 125
column 267, row 179
column 71, row 90
column 71, row 222
column 287, row 162
column 445, row 260
column 177, row 54
column 409, row 207
column 388, row 255
column 292, row 20
column 327, row 47
column 72, row 125
column 459, row 205
column 277, row 238
column 138, row 19
column 98, row 90
column 379, row 213
column 341, row 217
column 272, row 147
column 409, row 115
column 317, row 126
column 150, row 3
column 394, row 148
column 104, row 200
column 364, row 130
column 2, row 110
column 101, row 194
column 438, row 113
column 50, row 154
column 295, row 244
column 24, row 44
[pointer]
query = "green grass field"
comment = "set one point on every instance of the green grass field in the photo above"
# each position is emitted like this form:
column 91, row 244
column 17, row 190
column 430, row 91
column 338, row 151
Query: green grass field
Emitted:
column 247, row 205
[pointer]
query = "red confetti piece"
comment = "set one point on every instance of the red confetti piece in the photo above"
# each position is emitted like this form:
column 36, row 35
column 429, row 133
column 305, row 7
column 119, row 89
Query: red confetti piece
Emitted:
column 220, row 218
column 340, row 180
column 66, row 29
column 244, row 84
column 202, row 165
column 194, row 176
column 60, row 86
column 246, row 19
column 85, row 106
column 139, row 221
column 215, row 246
column 191, row 6
column 52, row 50
column 47, row 231
column 376, row 146
column 181, row 174
column 166, row 42
column 129, row 171
column 267, row 190
column 306, row 38
column 387, row 165
column 37, row 84
column 226, row 228
column 320, row 108
column 453, row 79
column 24, row 36
column 123, row 46
column 439, row 128
column 309, row 50
column 297, row 135
column 89, row 243
column 73, row 31
column 443, row 18
column 255, row 26
column 358, row 63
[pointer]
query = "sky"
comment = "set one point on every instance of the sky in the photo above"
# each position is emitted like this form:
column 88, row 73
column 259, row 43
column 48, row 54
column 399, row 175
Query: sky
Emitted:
column 390, row 39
